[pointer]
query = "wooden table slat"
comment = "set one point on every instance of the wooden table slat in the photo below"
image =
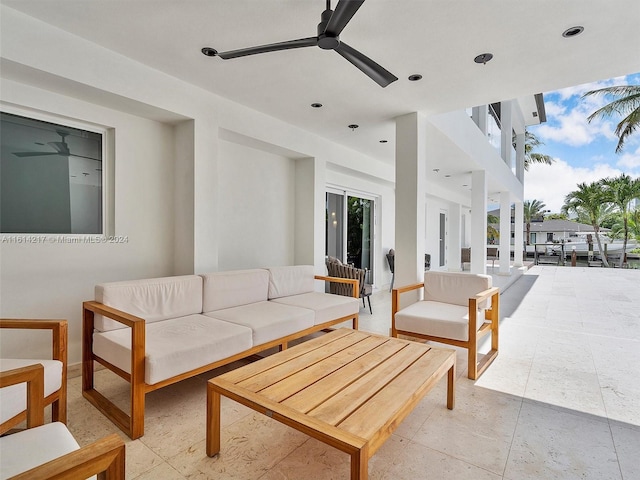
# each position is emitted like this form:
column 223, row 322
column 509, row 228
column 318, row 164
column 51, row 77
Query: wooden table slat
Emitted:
column 308, row 375
column 399, row 397
column 287, row 355
column 325, row 388
column 345, row 402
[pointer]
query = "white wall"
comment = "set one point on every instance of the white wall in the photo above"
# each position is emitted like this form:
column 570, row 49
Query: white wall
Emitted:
column 256, row 193
column 50, row 280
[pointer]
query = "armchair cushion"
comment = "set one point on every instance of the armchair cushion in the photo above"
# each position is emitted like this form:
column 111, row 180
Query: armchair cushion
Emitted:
column 436, row 319
column 13, row 399
column 33, row 447
column 454, row 288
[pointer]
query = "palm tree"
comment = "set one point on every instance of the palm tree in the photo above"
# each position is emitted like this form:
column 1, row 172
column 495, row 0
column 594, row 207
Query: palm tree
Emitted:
column 532, row 209
column 530, row 143
column 589, row 201
column 620, row 191
column 492, row 232
column 627, row 102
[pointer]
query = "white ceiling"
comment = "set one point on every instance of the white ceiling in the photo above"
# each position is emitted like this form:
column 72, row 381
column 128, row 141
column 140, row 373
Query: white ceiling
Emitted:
column 436, row 38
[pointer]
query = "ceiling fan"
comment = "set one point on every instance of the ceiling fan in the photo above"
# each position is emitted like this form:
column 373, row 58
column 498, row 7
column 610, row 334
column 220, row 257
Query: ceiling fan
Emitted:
column 61, row 148
column 332, row 22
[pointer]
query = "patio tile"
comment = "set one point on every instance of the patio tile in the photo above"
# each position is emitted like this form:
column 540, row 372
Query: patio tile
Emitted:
column 627, row 443
column 553, row 444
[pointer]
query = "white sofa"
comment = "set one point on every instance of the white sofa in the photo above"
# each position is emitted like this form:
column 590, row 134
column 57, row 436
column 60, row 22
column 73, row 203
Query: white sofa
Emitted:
column 173, row 328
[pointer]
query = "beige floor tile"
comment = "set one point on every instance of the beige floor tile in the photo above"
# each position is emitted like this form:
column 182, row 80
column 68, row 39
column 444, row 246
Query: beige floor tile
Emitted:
column 552, row 444
column 627, row 443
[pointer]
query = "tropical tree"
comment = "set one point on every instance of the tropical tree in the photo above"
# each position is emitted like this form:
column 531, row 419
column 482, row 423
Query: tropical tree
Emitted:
column 588, row 202
column 620, row 191
column 492, row 232
column 626, row 102
column 531, row 142
column 532, row 209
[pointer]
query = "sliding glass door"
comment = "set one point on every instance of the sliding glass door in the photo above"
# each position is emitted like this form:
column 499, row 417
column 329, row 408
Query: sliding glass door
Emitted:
column 350, row 220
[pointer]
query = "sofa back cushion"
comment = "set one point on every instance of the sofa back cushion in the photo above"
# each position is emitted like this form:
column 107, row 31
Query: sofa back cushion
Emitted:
column 290, row 280
column 234, row 288
column 454, row 288
column 153, row 299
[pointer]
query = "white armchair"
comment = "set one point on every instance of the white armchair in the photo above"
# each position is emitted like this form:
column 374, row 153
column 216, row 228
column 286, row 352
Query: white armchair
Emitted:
column 50, row 451
column 13, row 404
column 457, row 309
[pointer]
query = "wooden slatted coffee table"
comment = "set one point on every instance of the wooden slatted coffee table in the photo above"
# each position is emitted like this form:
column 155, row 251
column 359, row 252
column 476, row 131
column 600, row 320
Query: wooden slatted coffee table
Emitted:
column 348, row 389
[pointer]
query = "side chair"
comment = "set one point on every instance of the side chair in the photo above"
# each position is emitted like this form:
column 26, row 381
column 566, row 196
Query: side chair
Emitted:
column 457, row 309
column 338, row 269
column 46, row 451
column 13, row 402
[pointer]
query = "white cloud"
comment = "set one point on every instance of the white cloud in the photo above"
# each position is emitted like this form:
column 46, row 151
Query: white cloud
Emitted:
column 630, row 160
column 551, row 183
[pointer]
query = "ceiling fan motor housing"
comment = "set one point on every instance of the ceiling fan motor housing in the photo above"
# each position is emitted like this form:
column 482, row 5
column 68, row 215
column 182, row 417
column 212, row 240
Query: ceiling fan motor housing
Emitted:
column 326, row 42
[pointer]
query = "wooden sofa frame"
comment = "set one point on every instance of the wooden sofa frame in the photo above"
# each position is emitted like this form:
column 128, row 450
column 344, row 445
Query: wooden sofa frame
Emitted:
column 105, row 457
column 133, row 423
column 59, row 333
column 476, row 367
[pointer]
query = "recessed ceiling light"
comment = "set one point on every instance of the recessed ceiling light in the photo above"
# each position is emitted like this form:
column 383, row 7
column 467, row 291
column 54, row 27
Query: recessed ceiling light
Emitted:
column 465, row 185
column 316, row 105
column 573, row 31
column 383, row 141
column 415, row 77
column 447, row 176
column 353, row 126
column 483, row 58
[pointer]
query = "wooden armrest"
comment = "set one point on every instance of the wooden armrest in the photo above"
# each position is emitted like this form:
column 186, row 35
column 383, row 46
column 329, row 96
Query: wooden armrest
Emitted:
column 112, row 313
column 352, row 281
column 484, row 295
column 105, row 455
column 59, row 332
column 33, row 376
column 395, row 296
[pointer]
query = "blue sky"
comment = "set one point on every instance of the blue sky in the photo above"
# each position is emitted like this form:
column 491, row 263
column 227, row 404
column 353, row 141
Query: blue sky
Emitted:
column 583, row 152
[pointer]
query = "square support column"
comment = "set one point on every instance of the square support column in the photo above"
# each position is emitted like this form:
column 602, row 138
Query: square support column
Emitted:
column 505, row 233
column 478, row 221
column 518, row 231
column 410, row 198
column 455, row 238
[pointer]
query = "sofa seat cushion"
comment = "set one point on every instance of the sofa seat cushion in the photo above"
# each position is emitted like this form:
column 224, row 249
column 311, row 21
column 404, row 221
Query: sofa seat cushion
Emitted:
column 30, row 448
column 13, row 399
column 175, row 346
column 268, row 320
column 231, row 289
column 325, row 305
column 154, row 299
column 437, row 319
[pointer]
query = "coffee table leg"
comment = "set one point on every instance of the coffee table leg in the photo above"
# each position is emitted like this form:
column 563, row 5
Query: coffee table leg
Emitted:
column 213, row 421
column 360, row 464
column 451, row 385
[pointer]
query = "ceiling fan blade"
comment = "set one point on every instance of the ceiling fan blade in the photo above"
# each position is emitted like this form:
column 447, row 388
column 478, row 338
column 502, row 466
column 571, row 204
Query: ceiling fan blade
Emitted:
column 377, row 73
column 34, row 154
column 341, row 16
column 273, row 47
column 61, row 147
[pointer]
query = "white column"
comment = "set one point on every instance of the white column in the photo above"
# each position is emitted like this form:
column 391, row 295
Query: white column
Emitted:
column 479, row 116
column 455, row 237
column 410, row 199
column 520, row 142
column 506, row 127
column 505, row 233
column 518, row 230
column 478, row 221
column 309, row 214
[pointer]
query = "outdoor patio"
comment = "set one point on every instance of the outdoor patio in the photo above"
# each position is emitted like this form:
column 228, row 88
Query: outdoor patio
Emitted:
column 563, row 398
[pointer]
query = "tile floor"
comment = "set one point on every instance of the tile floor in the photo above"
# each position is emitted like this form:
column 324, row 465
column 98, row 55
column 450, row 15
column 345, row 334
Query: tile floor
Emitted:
column 561, row 401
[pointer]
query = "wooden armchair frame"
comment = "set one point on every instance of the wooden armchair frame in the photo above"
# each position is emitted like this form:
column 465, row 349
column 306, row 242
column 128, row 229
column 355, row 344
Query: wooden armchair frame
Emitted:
column 476, row 367
column 104, row 458
column 59, row 333
column 133, row 423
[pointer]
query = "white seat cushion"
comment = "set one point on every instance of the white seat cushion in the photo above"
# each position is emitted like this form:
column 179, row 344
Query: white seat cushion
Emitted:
column 175, row 346
column 325, row 305
column 437, row 319
column 290, row 280
column 268, row 320
column 13, row 399
column 234, row 288
column 30, row 448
